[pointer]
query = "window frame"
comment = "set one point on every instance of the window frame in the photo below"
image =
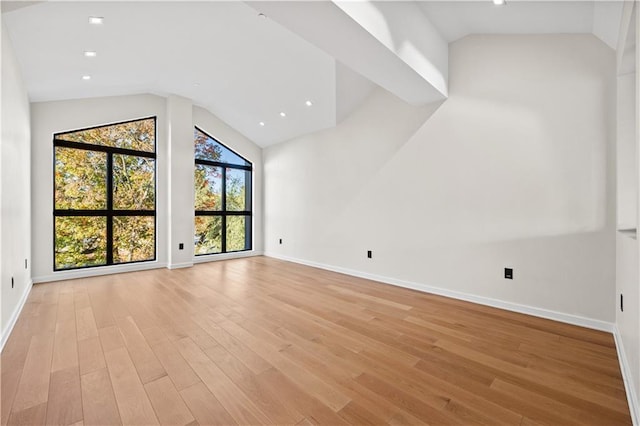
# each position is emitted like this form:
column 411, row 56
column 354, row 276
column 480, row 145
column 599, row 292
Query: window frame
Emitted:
column 109, row 213
column 247, row 213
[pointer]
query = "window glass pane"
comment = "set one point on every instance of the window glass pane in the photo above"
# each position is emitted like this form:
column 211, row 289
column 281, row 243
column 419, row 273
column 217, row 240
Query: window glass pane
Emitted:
column 80, row 179
column 236, row 190
column 208, row 185
column 139, row 135
column 80, row 241
column 208, row 235
column 236, row 233
column 208, row 148
column 133, row 238
column 133, row 183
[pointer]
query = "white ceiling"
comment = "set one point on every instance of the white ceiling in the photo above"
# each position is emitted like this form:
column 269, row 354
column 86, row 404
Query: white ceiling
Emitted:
column 243, row 68
column 456, row 19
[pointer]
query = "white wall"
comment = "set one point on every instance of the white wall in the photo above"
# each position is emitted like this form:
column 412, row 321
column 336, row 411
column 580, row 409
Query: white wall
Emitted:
column 628, row 320
column 15, row 205
column 627, row 272
column 175, row 114
column 627, row 177
column 515, row 170
column 48, row 118
column 628, row 184
column 181, row 194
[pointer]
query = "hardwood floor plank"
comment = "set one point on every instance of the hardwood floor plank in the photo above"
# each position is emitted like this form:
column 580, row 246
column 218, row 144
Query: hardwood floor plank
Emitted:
column 98, row 400
column 230, row 396
column 355, row 414
column 154, row 335
column 570, row 388
column 175, row 365
column 147, row 365
column 90, row 355
column 86, row 323
column 100, row 304
column 65, row 347
column 34, row 382
column 263, row 341
column 12, row 362
column 251, row 359
column 133, row 404
column 246, row 380
column 35, row 415
column 8, row 386
column 167, row 403
column 562, row 413
column 65, row 400
column 66, row 308
column 205, row 407
column 406, row 401
column 299, row 398
column 330, row 396
column 110, row 338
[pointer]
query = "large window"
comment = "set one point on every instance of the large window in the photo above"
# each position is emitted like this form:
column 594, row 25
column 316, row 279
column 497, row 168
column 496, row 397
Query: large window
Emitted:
column 222, row 198
column 105, row 195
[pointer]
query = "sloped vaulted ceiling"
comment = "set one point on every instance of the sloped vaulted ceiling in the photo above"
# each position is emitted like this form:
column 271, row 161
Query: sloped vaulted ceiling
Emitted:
column 247, row 68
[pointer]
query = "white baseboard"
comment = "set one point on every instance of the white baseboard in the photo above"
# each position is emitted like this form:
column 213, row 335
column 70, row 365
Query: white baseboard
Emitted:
column 180, row 265
column 14, row 316
column 496, row 303
column 225, row 256
column 102, row 270
column 627, row 377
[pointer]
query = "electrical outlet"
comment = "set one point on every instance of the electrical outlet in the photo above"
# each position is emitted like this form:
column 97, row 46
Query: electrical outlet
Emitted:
column 369, row 255
column 280, row 240
column 11, row 282
column 621, row 302
column 181, row 246
column 508, row 273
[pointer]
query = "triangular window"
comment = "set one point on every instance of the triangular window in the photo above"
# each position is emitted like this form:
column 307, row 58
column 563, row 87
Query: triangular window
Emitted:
column 138, row 135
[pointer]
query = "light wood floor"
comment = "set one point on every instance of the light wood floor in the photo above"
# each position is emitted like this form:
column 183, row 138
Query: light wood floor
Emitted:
column 261, row 341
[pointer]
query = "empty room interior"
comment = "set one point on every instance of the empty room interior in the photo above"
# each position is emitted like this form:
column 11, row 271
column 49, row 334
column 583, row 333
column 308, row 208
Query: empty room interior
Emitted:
column 319, row 212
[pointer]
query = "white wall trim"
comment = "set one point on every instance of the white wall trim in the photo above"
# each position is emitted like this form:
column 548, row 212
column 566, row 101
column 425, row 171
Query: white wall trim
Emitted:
column 94, row 272
column 180, row 265
column 509, row 306
column 16, row 313
column 627, row 377
column 226, row 256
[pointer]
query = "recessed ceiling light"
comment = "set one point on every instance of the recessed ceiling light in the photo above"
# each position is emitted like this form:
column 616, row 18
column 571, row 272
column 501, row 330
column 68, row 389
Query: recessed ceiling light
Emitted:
column 90, row 54
column 86, row 77
column 261, row 123
column 262, row 15
column 282, row 114
column 499, row 2
column 96, row 20
column 308, row 103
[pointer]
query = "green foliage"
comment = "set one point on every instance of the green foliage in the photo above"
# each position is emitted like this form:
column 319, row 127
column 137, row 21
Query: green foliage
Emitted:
column 81, row 184
column 137, row 135
column 133, row 238
column 206, row 148
column 208, row 186
column 81, row 179
column 235, row 233
column 80, row 241
column 133, row 183
column 236, row 190
column 208, row 234
column 208, row 197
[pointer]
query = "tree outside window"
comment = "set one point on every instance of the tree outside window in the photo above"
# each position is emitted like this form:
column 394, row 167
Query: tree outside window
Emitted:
column 105, row 195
